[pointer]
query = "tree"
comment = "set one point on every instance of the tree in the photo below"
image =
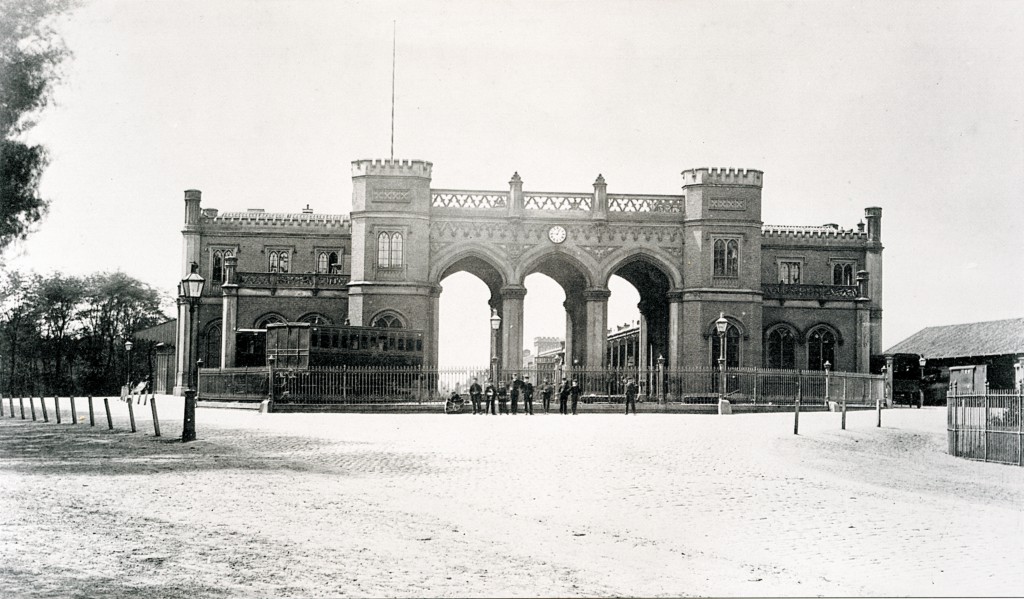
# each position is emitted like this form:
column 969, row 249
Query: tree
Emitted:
column 30, row 53
column 16, row 327
column 58, row 302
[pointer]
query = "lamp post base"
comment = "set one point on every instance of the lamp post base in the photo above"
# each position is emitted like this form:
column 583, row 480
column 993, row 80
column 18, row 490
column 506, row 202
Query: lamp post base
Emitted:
column 188, row 432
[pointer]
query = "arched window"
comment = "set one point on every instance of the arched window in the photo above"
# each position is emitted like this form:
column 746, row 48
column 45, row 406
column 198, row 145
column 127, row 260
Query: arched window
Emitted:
column 316, row 319
column 321, row 263
column 821, row 348
column 211, row 346
column 842, row 274
column 217, row 273
column 388, row 320
column 278, row 260
column 389, row 249
column 780, row 349
column 732, row 347
column 726, row 257
column 848, row 274
column 263, row 321
column 326, row 262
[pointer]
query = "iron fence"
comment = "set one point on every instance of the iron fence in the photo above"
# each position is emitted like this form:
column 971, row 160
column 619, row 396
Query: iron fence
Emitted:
column 415, row 384
column 986, row 426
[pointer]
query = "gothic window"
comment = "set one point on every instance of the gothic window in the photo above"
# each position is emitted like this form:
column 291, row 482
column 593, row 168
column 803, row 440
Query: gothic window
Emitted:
column 389, row 249
column 211, row 346
column 726, row 257
column 732, row 348
column 780, row 349
column 842, row 274
column 326, row 262
column 316, row 319
column 789, row 272
column 388, row 320
column 217, row 272
column 821, row 348
column 263, row 321
column 277, row 261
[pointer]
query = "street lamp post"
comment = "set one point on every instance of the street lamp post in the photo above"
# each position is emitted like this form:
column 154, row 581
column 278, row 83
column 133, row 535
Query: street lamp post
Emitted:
column 192, row 290
column 920, row 399
column 828, row 369
column 721, row 325
column 128, row 368
column 495, row 325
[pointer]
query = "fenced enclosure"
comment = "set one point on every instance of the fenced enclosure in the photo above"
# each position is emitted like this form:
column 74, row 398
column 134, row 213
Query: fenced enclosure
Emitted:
column 415, row 384
column 986, row 426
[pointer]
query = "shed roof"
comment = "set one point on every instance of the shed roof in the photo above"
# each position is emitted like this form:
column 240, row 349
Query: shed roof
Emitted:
column 992, row 338
column 161, row 333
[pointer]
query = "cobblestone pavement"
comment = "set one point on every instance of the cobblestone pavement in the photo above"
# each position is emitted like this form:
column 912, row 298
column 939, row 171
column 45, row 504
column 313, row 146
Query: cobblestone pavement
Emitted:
column 592, row 505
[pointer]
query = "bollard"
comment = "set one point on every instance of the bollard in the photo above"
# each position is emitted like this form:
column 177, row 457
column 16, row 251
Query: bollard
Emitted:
column 106, row 405
column 74, row 412
column 156, row 421
column 42, row 402
column 56, row 408
column 796, row 407
column 12, row 406
column 21, row 403
column 844, row 404
column 1, row 405
column 131, row 414
column 92, row 415
column 32, row 407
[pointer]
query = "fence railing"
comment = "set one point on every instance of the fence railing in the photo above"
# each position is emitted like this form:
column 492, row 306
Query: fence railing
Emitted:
column 415, row 384
column 986, row 426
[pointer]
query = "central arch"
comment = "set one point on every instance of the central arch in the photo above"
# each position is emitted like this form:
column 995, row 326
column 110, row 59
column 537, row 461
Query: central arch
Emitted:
column 479, row 264
column 574, row 277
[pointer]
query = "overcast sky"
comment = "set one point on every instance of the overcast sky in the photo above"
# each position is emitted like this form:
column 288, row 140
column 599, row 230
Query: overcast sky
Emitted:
column 916, row 107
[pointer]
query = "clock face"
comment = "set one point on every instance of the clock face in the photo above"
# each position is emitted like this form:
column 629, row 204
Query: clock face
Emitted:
column 556, row 234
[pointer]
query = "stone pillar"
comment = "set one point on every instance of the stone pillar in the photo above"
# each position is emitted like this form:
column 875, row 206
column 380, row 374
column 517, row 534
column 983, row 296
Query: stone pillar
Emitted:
column 569, row 345
column 597, row 325
column 889, row 377
column 512, row 328
column 515, row 192
column 434, row 314
column 675, row 329
column 183, row 348
column 191, row 233
column 229, row 313
column 642, row 342
column 863, row 340
column 600, row 210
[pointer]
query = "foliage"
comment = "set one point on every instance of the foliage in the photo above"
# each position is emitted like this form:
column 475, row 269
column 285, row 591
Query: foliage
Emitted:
column 31, row 52
column 65, row 334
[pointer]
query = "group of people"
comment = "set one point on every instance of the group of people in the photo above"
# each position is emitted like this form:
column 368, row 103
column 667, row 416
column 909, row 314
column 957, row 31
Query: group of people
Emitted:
column 497, row 399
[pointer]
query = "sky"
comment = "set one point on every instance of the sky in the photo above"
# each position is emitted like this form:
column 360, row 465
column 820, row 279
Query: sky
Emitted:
column 916, row 107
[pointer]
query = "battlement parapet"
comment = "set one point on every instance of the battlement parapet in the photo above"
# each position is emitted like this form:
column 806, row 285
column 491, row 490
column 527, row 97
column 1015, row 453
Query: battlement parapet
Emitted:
column 723, row 176
column 792, row 232
column 259, row 218
column 393, row 168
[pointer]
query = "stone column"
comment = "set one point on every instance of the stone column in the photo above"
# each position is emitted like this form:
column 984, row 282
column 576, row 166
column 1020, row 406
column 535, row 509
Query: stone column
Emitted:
column 597, row 325
column 512, row 328
column 675, row 329
column 229, row 312
column 434, row 311
column 183, row 349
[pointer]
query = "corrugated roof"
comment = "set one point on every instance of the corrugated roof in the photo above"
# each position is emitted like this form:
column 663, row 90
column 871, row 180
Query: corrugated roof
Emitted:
column 161, row 333
column 993, row 338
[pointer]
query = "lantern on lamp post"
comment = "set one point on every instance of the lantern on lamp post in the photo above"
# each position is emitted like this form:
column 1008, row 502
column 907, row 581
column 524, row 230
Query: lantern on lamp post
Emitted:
column 721, row 325
column 128, row 365
column 495, row 325
column 920, row 399
column 191, row 290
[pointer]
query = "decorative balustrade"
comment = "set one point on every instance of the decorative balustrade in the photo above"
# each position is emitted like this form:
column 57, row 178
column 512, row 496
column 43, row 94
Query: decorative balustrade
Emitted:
column 476, row 200
column 285, row 280
column 645, row 203
column 813, row 292
column 557, row 201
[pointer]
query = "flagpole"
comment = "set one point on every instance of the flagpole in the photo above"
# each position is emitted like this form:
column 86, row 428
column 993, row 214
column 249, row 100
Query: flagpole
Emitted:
column 392, row 90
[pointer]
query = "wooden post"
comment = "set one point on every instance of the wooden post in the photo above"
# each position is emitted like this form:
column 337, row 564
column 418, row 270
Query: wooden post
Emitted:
column 878, row 409
column 42, row 402
column 11, row 402
column 1, row 405
column 21, row 403
column 1020, row 428
column 110, row 421
column 156, row 421
column 131, row 413
column 32, row 407
column 796, row 406
column 92, row 414
column 56, row 407
column 844, row 402
column 74, row 412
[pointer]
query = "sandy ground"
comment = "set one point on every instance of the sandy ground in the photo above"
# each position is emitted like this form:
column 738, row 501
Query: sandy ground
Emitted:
column 297, row 505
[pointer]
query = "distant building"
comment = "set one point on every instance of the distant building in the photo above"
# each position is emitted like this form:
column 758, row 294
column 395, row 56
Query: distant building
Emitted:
column 971, row 354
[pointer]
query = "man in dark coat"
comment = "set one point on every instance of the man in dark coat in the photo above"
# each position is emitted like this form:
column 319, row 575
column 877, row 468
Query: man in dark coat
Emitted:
column 563, row 397
column 503, row 398
column 491, row 394
column 630, row 395
column 474, row 395
column 545, row 394
column 574, row 394
column 515, row 389
column 528, row 396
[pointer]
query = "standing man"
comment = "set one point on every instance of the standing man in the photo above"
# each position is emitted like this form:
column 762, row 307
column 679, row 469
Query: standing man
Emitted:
column 515, row 389
column 474, row 395
column 545, row 394
column 630, row 394
column 574, row 393
column 563, row 397
column 503, row 398
column 490, row 393
column 528, row 396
